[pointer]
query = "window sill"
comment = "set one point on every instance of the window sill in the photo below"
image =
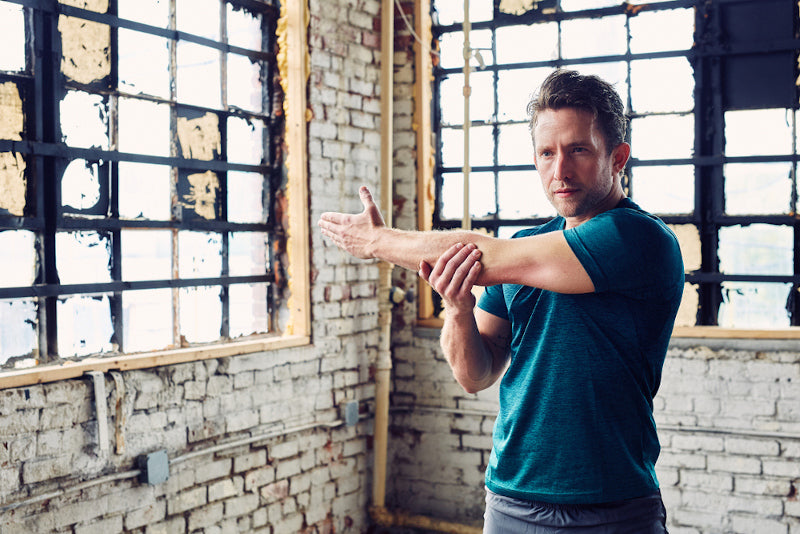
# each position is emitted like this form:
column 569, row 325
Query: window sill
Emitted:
column 695, row 332
column 74, row 369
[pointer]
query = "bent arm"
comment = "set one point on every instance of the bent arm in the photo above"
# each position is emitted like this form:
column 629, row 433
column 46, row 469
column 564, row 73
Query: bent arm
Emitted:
column 476, row 346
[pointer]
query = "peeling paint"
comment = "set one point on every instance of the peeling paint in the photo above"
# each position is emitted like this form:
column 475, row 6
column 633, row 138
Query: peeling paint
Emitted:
column 12, row 183
column 98, row 6
column 11, row 115
column 85, row 44
column 517, row 7
column 689, row 240
column 203, row 194
column 690, row 303
column 200, row 138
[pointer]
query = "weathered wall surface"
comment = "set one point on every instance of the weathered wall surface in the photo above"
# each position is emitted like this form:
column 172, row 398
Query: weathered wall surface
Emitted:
column 729, row 423
column 255, row 442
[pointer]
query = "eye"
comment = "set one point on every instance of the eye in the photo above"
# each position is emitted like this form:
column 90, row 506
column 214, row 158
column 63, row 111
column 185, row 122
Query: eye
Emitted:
column 578, row 149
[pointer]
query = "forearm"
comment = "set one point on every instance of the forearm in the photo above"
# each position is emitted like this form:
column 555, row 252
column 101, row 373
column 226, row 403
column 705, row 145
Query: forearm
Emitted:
column 471, row 361
column 408, row 248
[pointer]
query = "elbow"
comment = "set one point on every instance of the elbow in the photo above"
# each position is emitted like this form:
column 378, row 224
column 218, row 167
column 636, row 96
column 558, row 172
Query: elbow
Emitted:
column 471, row 385
column 471, row 388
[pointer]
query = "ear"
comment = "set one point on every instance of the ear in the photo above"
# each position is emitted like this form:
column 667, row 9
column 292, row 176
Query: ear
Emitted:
column 620, row 157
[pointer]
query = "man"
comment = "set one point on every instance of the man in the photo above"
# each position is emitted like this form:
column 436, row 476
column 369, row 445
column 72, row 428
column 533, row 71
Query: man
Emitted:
column 576, row 320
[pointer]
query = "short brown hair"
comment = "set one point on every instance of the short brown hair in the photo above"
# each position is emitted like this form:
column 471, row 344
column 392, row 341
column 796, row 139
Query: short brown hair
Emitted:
column 570, row 89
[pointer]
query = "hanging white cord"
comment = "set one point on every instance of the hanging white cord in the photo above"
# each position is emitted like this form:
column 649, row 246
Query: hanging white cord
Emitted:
column 466, row 221
column 425, row 47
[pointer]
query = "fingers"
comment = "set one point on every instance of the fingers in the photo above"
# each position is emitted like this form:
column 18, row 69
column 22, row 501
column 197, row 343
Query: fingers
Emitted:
column 455, row 272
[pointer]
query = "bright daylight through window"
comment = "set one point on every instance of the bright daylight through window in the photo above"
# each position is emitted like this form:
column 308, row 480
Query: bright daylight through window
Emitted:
column 714, row 144
column 137, row 171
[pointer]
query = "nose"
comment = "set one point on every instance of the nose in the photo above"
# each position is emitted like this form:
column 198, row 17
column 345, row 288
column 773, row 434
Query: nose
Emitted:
column 561, row 166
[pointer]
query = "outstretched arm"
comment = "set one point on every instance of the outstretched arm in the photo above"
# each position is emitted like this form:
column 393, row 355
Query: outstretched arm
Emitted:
column 545, row 261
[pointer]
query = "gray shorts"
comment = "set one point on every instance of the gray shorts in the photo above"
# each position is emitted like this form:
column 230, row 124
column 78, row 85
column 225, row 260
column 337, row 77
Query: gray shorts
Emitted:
column 506, row 515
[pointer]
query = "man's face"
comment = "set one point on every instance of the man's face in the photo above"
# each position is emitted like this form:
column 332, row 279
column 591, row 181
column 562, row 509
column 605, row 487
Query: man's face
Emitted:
column 579, row 176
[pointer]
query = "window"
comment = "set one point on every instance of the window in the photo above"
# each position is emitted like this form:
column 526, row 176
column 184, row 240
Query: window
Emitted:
column 138, row 169
column 714, row 146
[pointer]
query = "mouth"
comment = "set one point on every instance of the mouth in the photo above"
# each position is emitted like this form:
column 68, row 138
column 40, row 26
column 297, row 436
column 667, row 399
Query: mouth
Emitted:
column 565, row 192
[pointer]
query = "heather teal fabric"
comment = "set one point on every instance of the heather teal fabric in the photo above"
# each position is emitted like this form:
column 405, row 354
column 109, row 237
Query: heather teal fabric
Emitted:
column 576, row 403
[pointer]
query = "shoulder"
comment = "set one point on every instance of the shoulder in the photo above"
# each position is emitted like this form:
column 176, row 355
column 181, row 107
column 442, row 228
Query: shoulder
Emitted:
column 630, row 223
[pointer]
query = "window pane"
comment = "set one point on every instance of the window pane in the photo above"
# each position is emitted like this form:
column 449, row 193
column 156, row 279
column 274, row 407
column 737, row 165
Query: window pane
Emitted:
column 147, row 320
column 244, row 28
column 481, row 101
column 83, row 257
column 18, row 329
column 198, row 135
column 144, row 191
column 662, row 137
column 12, row 174
column 580, row 5
column 606, row 36
column 141, row 63
column 146, row 254
column 481, row 195
column 516, row 87
column 13, row 124
column 515, row 146
column 152, row 12
column 200, row 254
column 663, row 190
column 540, row 43
column 84, row 325
column 248, row 309
column 84, row 120
column 756, row 249
column 451, row 45
column 452, row 11
column 690, row 302
column 81, row 186
column 521, row 196
column 198, row 17
column 143, row 127
column 662, row 85
column 17, row 258
column 200, row 314
column 247, row 253
column 758, row 132
column 614, row 72
column 85, row 49
column 245, row 141
column 758, row 188
column 244, row 84
column 199, row 193
column 198, row 80
column 754, row 305
column 689, row 240
column 12, row 28
column 655, row 31
column 481, row 146
column 246, row 197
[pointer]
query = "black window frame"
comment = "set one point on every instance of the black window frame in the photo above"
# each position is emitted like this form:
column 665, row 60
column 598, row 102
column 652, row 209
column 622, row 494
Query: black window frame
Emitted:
column 708, row 56
column 42, row 85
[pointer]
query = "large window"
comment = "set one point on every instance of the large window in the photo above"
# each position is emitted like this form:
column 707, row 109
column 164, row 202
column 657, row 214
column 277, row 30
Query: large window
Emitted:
column 137, row 173
column 712, row 102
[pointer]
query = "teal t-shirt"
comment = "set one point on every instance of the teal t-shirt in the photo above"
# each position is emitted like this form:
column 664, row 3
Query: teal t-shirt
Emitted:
column 576, row 404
